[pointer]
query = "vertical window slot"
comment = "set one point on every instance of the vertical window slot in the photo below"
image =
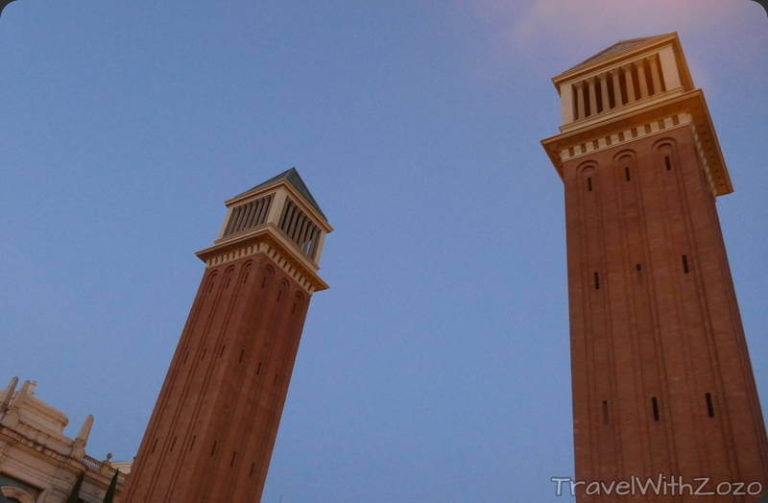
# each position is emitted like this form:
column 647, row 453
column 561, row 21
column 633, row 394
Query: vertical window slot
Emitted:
column 589, row 184
column 605, row 412
column 686, row 268
column 597, row 281
column 655, row 408
column 668, row 163
column 626, row 173
column 710, row 406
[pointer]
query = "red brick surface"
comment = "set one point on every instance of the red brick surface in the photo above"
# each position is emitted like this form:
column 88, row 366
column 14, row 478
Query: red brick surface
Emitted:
column 211, row 434
column 658, row 331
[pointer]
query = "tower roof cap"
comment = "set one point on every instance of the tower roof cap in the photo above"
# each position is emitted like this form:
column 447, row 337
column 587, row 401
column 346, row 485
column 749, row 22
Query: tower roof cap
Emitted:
column 291, row 176
column 620, row 46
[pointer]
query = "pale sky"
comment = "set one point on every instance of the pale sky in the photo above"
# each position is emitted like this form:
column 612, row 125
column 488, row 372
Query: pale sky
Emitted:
column 436, row 368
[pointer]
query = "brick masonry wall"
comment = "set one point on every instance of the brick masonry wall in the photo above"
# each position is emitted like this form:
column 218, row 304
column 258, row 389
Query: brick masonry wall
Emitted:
column 655, row 322
column 211, row 435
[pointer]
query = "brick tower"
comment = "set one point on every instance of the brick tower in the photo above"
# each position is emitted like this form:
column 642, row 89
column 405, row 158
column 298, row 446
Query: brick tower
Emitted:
column 211, row 433
column 662, row 382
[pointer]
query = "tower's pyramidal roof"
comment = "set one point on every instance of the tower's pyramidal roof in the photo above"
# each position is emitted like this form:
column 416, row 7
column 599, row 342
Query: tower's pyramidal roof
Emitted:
column 291, row 176
column 616, row 48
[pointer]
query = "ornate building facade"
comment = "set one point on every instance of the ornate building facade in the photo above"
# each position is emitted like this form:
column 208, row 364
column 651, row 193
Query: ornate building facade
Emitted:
column 662, row 381
column 38, row 462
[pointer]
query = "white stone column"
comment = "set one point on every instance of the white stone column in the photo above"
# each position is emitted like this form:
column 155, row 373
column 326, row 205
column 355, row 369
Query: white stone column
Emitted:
column 592, row 96
column 655, row 78
column 580, row 112
column 669, row 70
column 566, row 103
column 630, row 84
column 617, row 94
column 277, row 207
column 603, row 78
column 641, row 79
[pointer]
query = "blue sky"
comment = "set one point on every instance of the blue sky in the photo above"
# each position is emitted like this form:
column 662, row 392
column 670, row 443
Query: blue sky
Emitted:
column 436, row 368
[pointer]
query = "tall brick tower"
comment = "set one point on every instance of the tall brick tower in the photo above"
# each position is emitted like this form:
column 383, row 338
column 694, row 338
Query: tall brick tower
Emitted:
column 211, row 434
column 662, row 382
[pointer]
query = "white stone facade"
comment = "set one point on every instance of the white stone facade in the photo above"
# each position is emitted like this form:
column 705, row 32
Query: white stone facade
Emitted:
column 38, row 463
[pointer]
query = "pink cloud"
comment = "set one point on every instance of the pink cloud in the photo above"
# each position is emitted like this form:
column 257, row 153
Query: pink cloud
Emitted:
column 574, row 28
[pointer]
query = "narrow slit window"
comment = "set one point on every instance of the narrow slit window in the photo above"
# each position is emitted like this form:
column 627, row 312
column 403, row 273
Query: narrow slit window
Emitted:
column 638, row 267
column 242, row 354
column 605, row 412
column 258, row 369
column 655, row 408
column 589, row 184
column 173, row 444
column 597, row 281
column 626, row 173
column 232, row 461
column 710, row 406
column 668, row 163
column 213, row 448
column 686, row 268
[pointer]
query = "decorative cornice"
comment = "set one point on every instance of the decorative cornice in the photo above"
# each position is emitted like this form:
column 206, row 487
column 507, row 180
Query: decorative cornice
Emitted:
column 268, row 240
column 688, row 109
column 624, row 136
column 14, row 439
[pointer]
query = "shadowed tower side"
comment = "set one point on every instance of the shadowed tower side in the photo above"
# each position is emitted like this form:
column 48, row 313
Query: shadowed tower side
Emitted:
column 662, row 381
column 212, row 431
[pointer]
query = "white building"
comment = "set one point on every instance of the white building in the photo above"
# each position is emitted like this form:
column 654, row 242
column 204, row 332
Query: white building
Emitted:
column 38, row 463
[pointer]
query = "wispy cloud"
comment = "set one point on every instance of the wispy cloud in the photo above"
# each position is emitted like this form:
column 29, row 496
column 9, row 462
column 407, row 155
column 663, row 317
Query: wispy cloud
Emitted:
column 572, row 27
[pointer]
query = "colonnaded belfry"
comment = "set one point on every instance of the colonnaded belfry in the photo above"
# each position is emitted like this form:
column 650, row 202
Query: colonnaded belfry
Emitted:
column 211, row 434
column 662, row 381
